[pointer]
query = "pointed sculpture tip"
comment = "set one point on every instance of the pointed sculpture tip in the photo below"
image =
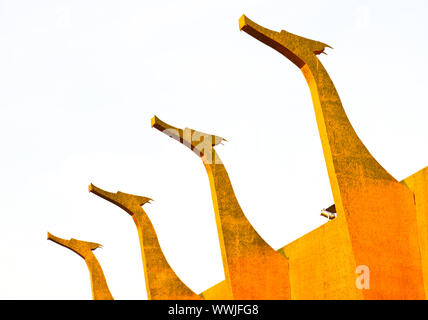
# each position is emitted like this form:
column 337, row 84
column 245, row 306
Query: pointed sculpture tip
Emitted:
column 144, row 200
column 49, row 236
column 323, row 49
column 93, row 246
column 91, row 187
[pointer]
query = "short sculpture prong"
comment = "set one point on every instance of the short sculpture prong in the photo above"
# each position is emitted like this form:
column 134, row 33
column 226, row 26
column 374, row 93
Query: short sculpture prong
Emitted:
column 100, row 290
column 162, row 283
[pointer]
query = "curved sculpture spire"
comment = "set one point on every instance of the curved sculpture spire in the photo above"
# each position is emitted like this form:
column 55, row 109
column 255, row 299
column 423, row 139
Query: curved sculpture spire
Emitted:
column 341, row 145
column 162, row 283
column 100, row 290
column 253, row 269
column 377, row 210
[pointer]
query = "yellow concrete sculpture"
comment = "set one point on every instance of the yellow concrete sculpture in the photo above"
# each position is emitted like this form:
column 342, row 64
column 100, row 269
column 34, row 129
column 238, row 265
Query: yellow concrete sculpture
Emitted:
column 162, row 283
column 376, row 223
column 100, row 290
column 418, row 183
column 253, row 269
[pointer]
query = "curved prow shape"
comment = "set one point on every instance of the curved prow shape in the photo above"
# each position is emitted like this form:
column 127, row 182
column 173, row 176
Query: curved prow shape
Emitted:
column 100, row 290
column 376, row 209
column 297, row 49
column 253, row 269
column 162, row 283
column 341, row 145
column 128, row 202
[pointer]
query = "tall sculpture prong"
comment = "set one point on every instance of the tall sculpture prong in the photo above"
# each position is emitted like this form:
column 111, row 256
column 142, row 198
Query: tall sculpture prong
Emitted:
column 253, row 269
column 372, row 206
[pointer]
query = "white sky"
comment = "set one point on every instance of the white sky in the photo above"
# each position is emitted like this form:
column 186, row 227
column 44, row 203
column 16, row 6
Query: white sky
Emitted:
column 80, row 80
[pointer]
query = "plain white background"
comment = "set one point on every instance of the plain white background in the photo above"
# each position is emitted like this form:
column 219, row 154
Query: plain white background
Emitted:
column 80, row 81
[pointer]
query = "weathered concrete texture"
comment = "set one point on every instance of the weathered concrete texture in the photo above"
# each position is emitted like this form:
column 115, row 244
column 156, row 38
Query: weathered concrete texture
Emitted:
column 322, row 264
column 100, row 290
column 374, row 209
column 162, row 283
column 418, row 183
column 379, row 223
column 253, row 269
column 220, row 291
